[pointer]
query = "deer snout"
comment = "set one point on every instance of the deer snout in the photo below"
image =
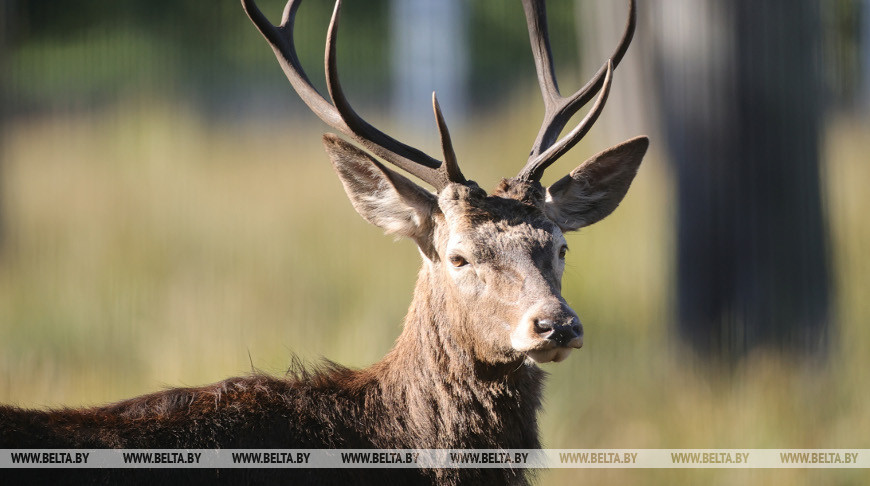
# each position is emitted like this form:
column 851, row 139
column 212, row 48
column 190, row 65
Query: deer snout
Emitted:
column 564, row 334
column 548, row 333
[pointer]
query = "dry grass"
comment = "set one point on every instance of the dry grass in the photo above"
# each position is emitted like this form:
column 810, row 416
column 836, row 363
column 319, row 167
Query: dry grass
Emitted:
column 146, row 248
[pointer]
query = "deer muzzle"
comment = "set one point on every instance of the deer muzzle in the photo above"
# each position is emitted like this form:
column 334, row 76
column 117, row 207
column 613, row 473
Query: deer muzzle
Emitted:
column 548, row 333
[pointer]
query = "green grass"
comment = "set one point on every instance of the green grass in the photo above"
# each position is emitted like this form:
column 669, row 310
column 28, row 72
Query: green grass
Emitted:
column 146, row 248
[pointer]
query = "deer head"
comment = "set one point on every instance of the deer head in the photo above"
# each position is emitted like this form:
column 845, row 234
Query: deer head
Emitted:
column 493, row 262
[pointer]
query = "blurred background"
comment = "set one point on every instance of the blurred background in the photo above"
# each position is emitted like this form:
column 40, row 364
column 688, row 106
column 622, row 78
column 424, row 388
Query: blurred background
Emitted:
column 168, row 216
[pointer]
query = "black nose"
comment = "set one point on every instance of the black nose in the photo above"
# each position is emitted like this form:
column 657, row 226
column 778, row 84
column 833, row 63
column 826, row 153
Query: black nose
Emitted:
column 562, row 334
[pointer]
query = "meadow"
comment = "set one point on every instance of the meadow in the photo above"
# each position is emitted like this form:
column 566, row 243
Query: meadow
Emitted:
column 147, row 246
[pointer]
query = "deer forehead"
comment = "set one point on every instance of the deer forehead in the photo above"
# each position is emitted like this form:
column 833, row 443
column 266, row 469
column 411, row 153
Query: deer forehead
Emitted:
column 497, row 228
column 503, row 234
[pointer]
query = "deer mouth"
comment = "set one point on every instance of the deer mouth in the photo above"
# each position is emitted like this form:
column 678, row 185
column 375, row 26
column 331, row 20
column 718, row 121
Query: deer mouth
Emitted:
column 546, row 350
column 554, row 355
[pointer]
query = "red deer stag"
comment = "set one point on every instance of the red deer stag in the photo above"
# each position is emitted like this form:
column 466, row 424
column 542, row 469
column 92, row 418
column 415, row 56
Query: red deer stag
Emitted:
column 486, row 309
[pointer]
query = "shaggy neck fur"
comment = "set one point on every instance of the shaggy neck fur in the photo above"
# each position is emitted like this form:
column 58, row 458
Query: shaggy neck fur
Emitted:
column 450, row 398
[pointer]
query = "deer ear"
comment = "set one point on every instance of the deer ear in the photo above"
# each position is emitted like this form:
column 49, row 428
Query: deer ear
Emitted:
column 383, row 197
column 594, row 189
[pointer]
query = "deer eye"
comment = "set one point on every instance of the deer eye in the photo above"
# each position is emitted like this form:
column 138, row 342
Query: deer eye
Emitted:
column 562, row 252
column 458, row 261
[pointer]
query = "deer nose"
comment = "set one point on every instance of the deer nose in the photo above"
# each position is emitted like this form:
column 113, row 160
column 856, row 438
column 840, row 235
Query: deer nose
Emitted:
column 561, row 334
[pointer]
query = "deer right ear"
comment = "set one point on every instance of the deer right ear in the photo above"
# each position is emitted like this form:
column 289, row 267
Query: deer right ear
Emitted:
column 383, row 197
column 595, row 188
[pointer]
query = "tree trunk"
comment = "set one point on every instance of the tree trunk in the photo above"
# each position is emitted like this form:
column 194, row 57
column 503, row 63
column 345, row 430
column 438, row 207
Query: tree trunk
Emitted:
column 6, row 16
column 630, row 108
column 429, row 53
column 740, row 93
column 864, row 53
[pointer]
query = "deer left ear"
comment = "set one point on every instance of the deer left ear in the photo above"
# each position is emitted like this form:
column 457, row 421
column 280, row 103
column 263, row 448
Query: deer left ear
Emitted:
column 383, row 197
column 595, row 188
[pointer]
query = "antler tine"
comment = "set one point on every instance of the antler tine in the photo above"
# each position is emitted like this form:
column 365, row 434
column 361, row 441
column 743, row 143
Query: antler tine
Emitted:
column 534, row 169
column 450, row 167
column 539, row 36
column 558, row 109
column 339, row 114
column 397, row 153
column 280, row 38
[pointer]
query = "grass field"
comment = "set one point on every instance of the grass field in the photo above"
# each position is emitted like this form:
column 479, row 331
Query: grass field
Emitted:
column 147, row 247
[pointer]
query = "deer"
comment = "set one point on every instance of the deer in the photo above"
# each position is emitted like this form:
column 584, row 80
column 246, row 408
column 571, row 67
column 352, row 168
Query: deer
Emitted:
column 487, row 307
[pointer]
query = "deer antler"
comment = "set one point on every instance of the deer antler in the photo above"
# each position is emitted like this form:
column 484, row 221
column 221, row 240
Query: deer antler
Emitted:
column 558, row 109
column 339, row 114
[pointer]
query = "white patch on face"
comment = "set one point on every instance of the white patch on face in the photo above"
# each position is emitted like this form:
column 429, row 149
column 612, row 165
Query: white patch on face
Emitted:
column 525, row 340
column 545, row 356
column 453, row 244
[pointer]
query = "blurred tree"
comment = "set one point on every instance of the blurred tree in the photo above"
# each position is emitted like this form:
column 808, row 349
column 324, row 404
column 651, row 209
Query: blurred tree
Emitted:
column 741, row 99
column 6, row 14
column 842, row 39
column 631, row 109
column 429, row 54
column 864, row 51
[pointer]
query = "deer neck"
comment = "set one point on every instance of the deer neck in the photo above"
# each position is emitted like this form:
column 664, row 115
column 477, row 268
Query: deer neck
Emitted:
column 448, row 398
